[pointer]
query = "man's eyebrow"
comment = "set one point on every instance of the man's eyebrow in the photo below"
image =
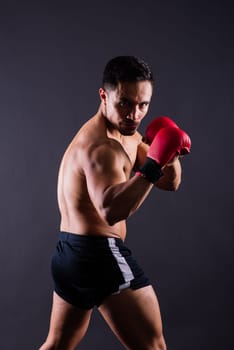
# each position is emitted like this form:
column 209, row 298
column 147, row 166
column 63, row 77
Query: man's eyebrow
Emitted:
column 126, row 99
column 123, row 98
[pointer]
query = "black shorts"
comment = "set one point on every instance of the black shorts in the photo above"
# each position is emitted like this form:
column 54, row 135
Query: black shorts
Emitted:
column 86, row 269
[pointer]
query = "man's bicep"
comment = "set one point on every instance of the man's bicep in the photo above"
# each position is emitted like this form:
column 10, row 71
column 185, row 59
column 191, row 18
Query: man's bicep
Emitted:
column 103, row 168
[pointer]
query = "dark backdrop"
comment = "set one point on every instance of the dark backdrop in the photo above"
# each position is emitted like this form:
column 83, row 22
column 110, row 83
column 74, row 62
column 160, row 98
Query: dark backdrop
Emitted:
column 51, row 63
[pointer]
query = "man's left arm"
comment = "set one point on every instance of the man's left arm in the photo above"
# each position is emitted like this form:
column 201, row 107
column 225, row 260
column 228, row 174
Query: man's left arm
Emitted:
column 171, row 178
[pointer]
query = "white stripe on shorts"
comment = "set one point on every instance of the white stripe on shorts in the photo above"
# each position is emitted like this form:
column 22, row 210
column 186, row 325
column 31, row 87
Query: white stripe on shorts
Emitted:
column 122, row 263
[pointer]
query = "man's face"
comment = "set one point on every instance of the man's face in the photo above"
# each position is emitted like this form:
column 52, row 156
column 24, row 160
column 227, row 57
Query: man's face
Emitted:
column 127, row 105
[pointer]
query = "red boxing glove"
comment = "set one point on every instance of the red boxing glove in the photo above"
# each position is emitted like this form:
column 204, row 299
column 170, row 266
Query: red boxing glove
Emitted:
column 157, row 124
column 168, row 142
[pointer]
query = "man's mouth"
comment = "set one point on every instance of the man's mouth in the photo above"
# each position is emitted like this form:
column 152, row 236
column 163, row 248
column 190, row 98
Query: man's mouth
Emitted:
column 130, row 126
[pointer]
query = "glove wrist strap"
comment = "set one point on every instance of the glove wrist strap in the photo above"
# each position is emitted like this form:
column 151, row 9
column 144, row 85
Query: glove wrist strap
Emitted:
column 151, row 170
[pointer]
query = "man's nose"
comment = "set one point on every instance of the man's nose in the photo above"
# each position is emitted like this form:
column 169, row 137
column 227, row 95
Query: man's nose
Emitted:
column 134, row 113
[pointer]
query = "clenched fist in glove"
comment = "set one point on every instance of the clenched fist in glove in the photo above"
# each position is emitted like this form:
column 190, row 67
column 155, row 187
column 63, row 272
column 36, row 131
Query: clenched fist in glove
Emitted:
column 168, row 141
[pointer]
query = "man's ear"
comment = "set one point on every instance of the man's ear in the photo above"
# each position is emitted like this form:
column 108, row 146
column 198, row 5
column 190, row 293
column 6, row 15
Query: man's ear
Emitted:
column 102, row 94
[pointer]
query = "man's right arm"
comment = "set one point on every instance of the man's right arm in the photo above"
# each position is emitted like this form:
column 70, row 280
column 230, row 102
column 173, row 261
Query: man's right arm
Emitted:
column 113, row 194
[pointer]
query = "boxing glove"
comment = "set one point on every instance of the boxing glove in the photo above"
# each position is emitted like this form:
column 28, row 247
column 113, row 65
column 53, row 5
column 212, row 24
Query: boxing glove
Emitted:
column 155, row 125
column 168, row 142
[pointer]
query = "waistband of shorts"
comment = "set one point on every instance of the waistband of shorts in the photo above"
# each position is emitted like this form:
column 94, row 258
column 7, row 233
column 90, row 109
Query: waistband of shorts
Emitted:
column 90, row 240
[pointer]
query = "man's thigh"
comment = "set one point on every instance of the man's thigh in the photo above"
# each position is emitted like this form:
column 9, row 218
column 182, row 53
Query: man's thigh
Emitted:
column 134, row 316
column 68, row 324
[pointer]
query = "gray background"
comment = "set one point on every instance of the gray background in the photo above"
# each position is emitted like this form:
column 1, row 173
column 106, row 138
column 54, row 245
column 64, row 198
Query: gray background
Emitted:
column 51, row 63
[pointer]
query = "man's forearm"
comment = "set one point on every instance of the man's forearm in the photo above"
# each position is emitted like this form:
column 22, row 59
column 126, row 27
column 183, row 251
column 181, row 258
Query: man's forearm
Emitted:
column 171, row 179
column 122, row 200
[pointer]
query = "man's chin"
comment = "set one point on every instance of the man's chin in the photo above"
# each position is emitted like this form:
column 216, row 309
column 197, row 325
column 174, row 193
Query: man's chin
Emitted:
column 128, row 131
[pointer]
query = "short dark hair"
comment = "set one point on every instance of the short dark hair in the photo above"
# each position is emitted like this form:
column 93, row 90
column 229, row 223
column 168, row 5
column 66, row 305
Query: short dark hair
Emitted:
column 126, row 68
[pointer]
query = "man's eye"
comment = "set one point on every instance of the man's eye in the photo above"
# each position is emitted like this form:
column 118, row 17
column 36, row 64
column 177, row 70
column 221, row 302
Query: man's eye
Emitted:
column 123, row 103
column 144, row 105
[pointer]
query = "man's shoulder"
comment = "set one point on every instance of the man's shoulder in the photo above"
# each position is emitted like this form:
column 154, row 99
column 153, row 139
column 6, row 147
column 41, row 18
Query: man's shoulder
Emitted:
column 89, row 145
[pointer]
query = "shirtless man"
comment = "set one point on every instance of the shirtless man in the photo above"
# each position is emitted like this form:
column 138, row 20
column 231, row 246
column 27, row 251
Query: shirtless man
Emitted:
column 97, row 192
